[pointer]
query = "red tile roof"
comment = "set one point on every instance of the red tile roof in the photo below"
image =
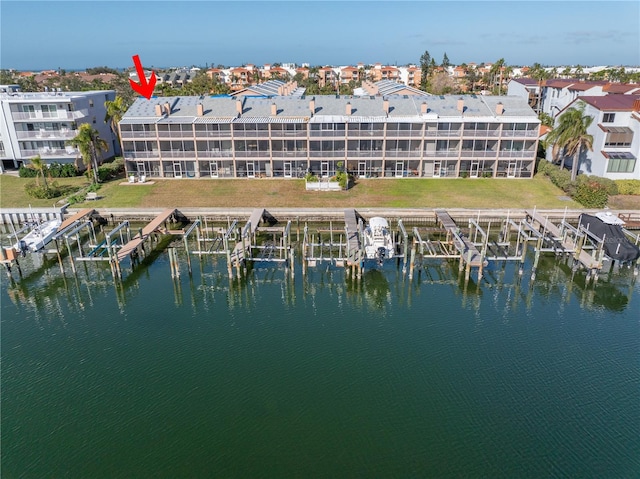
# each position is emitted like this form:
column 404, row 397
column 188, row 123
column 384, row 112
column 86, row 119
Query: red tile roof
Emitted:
column 620, row 87
column 611, row 102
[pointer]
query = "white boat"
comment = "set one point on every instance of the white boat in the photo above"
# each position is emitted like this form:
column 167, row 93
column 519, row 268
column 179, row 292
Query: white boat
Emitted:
column 38, row 237
column 378, row 240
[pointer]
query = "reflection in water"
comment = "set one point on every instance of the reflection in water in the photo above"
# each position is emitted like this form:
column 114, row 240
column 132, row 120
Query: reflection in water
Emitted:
column 43, row 286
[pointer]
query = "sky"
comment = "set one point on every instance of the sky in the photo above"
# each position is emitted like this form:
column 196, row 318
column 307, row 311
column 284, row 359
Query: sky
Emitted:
column 38, row 35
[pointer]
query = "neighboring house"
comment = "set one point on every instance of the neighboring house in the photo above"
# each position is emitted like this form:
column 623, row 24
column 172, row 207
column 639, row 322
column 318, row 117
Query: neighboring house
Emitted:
column 349, row 73
column 388, row 87
column 527, row 88
column 327, row 77
column 373, row 136
column 557, row 94
column 616, row 136
column 40, row 124
column 271, row 88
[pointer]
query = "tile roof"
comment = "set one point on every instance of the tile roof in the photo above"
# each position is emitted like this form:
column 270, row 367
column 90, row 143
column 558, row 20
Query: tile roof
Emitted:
column 611, row 102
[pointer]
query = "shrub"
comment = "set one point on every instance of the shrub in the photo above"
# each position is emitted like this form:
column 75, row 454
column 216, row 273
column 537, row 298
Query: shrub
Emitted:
column 628, row 187
column 41, row 192
column 26, row 172
column 543, row 166
column 311, row 178
column 609, row 185
column 60, row 170
column 591, row 194
column 111, row 170
column 561, row 178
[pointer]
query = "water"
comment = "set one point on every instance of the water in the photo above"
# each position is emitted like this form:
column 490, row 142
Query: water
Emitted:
column 320, row 376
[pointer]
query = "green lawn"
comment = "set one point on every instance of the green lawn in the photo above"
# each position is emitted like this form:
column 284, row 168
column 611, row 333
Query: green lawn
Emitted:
column 397, row 193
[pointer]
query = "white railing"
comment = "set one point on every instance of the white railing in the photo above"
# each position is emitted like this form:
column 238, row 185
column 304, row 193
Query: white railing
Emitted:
column 47, row 134
column 138, row 134
column 59, row 115
column 50, row 152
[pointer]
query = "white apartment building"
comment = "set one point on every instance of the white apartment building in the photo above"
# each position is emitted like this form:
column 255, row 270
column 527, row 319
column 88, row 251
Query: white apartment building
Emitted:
column 616, row 136
column 40, row 123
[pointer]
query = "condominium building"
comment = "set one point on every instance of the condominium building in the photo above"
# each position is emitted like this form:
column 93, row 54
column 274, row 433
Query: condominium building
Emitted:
column 41, row 123
column 372, row 136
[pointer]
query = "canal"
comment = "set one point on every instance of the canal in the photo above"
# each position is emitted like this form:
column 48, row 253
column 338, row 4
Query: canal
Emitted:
column 319, row 375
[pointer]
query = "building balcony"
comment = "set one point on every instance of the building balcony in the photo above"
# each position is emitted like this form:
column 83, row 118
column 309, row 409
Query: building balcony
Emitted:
column 400, row 153
column 365, row 153
column 46, row 134
column 365, row 134
column 288, row 134
column 141, row 154
column 47, row 152
column 444, row 133
column 213, row 134
column 520, row 134
column 517, row 154
column 327, row 154
column 138, row 134
column 326, row 133
column 175, row 134
column 38, row 115
column 252, row 154
column 289, row 154
column 178, row 154
column 405, row 134
column 251, row 134
column 215, row 154
column 480, row 133
column 478, row 153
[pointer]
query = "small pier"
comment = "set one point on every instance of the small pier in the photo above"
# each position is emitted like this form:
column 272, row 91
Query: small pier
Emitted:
column 353, row 223
column 566, row 239
column 469, row 254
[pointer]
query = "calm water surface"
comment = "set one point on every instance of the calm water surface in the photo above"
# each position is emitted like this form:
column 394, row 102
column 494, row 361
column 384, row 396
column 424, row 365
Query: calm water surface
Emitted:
column 319, row 376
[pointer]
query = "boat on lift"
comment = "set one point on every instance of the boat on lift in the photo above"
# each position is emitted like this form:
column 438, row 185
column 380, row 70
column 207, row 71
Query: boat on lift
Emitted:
column 378, row 240
column 39, row 235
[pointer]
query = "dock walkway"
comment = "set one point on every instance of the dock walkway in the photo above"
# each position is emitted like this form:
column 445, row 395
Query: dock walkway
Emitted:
column 468, row 251
column 351, row 220
column 77, row 217
column 138, row 239
column 240, row 250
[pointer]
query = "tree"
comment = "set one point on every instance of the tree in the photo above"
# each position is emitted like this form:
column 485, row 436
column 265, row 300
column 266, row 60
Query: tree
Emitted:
column 41, row 167
column 442, row 84
column 90, row 144
column 445, row 61
column 115, row 111
column 425, row 67
column 570, row 138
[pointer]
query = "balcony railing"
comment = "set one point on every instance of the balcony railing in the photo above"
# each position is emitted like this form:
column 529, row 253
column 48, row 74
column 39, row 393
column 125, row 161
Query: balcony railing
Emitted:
column 178, row 154
column 252, row 154
column 447, row 153
column 251, row 134
column 59, row 115
column 404, row 133
column 175, row 134
column 444, row 133
column 215, row 154
column 520, row 133
column 68, row 152
column 326, row 133
column 517, row 154
column 480, row 133
column 478, row 153
column 141, row 154
column 47, row 134
column 365, row 133
column 288, row 133
column 365, row 153
column 289, row 154
column 327, row 154
column 213, row 134
column 138, row 134
column 399, row 153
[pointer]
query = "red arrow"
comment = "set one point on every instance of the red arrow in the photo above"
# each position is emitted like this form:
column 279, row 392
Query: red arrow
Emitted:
column 144, row 88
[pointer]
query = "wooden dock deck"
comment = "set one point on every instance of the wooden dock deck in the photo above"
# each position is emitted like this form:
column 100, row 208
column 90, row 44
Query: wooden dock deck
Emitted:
column 138, row 239
column 77, row 217
column 569, row 246
column 351, row 218
column 468, row 251
column 240, row 250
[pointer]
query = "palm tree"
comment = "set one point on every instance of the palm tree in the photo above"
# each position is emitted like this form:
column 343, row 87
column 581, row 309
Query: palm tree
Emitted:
column 90, row 145
column 570, row 137
column 115, row 111
column 40, row 167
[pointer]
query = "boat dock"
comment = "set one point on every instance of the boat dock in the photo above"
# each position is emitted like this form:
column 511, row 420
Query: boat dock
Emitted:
column 155, row 226
column 469, row 254
column 564, row 239
column 353, row 225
